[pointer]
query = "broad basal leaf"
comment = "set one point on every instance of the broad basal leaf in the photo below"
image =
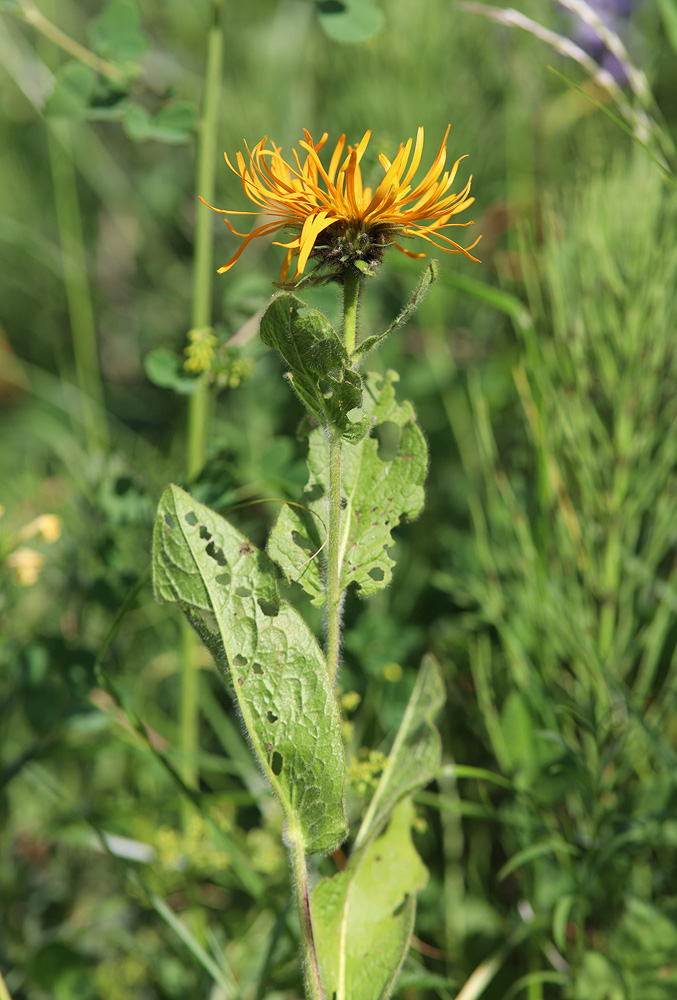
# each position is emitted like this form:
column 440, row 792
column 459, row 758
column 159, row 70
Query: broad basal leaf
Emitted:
column 415, row 757
column 363, row 917
column 227, row 589
column 382, row 482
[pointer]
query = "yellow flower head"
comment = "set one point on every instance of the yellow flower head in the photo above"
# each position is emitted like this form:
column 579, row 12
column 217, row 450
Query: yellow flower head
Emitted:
column 334, row 217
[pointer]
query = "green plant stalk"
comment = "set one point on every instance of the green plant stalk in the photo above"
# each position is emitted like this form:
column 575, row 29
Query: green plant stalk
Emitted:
column 333, row 591
column 295, row 844
column 37, row 20
column 351, row 294
column 334, row 595
column 200, row 403
column 76, row 284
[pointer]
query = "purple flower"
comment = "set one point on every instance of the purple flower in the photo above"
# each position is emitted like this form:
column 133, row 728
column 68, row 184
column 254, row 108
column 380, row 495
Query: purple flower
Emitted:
column 614, row 14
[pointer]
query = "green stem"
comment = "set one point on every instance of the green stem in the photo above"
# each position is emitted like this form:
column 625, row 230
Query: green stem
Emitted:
column 38, row 20
column 334, row 593
column 76, row 283
column 199, row 412
column 351, row 293
column 333, row 585
column 297, row 856
column 200, row 403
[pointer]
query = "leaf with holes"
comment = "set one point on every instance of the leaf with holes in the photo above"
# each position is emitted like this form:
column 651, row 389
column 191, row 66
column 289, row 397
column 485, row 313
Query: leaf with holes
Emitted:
column 319, row 370
column 363, row 917
column 382, row 482
column 228, row 591
column 416, row 753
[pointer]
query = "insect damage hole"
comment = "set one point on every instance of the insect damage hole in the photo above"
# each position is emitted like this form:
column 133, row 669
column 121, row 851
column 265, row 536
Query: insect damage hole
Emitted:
column 271, row 717
column 190, row 518
column 215, row 554
column 276, row 764
column 240, row 661
column 169, row 521
column 387, row 435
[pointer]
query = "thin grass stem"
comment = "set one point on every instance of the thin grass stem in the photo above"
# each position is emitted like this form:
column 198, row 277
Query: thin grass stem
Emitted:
column 76, row 284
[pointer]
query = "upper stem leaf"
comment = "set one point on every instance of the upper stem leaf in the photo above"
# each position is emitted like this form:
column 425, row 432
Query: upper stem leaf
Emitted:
column 382, row 482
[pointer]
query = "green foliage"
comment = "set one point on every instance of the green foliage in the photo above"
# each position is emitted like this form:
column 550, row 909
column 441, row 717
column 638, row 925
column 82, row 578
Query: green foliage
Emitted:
column 415, row 755
column 117, row 33
column 350, row 21
column 74, row 88
column 319, row 368
column 428, row 277
column 278, row 676
column 382, row 483
column 363, row 917
column 165, row 368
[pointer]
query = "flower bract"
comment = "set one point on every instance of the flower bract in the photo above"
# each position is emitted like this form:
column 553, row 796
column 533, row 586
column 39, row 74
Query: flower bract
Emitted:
column 333, row 216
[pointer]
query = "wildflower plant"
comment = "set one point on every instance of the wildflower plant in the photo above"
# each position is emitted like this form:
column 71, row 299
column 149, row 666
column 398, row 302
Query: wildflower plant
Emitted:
column 356, row 924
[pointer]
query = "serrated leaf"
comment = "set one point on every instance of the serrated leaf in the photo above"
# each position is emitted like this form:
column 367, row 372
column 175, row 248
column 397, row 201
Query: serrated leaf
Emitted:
column 363, row 917
column 116, row 34
column 74, row 88
column 378, row 492
column 319, row 370
column 415, row 757
column 227, row 589
column 350, row 21
column 165, row 369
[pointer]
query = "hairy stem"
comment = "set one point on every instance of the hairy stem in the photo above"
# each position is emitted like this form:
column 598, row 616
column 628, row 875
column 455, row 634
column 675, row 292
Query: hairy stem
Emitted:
column 351, row 293
column 199, row 407
column 333, row 585
column 295, row 843
column 334, row 593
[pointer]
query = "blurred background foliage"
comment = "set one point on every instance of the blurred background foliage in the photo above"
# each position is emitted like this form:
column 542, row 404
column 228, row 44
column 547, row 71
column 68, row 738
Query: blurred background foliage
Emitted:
column 542, row 572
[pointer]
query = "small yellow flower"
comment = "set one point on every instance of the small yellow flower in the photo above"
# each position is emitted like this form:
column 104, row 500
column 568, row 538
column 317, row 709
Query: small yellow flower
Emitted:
column 26, row 565
column 358, row 223
column 200, row 350
column 47, row 527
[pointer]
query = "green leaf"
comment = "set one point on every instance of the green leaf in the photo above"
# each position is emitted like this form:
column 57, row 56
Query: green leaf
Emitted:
column 175, row 124
column 319, row 367
column 74, row 87
column 228, row 591
column 428, row 277
column 382, row 483
column 116, row 33
column 137, row 123
column 415, row 757
column 350, row 20
column 363, row 917
column 165, row 368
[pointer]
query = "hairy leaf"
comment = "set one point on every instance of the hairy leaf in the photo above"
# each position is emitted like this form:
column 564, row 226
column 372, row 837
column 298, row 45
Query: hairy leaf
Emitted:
column 319, row 369
column 363, row 917
column 382, row 482
column 227, row 588
column 415, row 757
column 428, row 277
